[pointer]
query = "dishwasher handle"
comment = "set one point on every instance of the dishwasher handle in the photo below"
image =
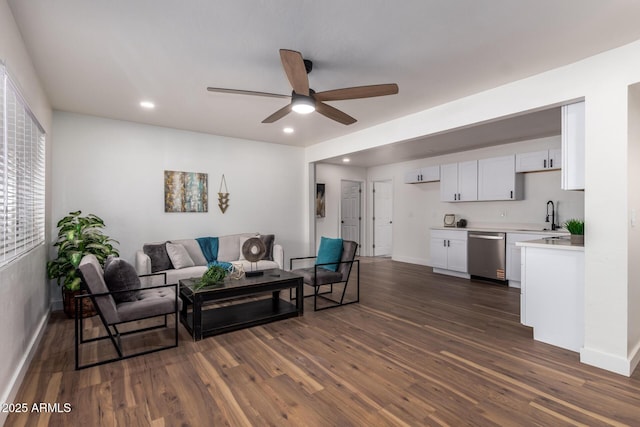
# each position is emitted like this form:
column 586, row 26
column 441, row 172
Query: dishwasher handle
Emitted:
column 486, row 236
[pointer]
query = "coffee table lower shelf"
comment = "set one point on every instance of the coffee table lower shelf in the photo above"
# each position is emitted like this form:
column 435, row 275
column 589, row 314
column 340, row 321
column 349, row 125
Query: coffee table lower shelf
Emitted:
column 240, row 315
column 238, row 303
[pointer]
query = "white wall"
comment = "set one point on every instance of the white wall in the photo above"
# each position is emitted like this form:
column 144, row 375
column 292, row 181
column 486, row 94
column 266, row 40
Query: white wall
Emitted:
column 332, row 176
column 417, row 207
column 24, row 294
column 634, row 222
column 602, row 81
column 115, row 170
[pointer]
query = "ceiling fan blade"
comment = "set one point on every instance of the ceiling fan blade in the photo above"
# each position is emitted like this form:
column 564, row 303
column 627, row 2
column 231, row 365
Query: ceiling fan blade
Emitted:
column 334, row 114
column 293, row 64
column 357, row 92
column 278, row 114
column 246, row 92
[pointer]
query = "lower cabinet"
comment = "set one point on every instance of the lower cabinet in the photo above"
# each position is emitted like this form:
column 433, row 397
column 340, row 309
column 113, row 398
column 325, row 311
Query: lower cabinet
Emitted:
column 514, row 255
column 552, row 295
column 449, row 251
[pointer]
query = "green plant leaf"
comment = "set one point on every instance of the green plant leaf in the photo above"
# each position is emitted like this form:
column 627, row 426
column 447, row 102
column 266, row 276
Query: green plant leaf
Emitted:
column 75, row 258
column 78, row 236
column 74, row 285
column 214, row 274
column 575, row 226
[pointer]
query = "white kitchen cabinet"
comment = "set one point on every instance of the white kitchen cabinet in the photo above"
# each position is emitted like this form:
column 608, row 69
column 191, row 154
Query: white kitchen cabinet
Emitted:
column 497, row 179
column 449, row 251
column 573, row 122
column 426, row 174
column 552, row 295
column 459, row 181
column 539, row 160
column 514, row 252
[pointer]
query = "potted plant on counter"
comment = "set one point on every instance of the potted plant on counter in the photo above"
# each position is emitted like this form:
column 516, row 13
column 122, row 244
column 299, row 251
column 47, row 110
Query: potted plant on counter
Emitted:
column 576, row 228
column 77, row 236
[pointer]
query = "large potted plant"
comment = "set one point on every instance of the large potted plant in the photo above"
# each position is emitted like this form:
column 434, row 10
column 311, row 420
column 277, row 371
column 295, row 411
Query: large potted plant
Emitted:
column 78, row 236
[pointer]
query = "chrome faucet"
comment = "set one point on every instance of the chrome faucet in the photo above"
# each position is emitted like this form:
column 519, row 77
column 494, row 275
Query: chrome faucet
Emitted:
column 553, row 215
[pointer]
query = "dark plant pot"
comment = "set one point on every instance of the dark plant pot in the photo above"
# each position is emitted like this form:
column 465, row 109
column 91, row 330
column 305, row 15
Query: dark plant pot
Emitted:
column 577, row 239
column 69, row 304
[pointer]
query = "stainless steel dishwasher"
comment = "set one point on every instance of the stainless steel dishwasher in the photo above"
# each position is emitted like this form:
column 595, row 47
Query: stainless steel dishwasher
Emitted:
column 487, row 254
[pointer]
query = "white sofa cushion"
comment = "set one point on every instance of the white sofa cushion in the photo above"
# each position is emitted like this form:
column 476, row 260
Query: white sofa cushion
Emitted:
column 185, row 273
column 263, row 264
column 229, row 246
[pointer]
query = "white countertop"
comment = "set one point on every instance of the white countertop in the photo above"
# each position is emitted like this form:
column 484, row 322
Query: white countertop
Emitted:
column 563, row 243
column 507, row 230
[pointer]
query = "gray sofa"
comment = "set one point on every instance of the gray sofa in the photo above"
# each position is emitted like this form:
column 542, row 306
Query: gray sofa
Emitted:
column 178, row 266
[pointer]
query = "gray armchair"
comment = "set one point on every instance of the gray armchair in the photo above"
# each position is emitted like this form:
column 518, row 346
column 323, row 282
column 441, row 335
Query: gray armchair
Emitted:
column 148, row 303
column 323, row 280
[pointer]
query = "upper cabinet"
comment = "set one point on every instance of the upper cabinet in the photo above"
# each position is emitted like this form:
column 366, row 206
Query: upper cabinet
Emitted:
column 573, row 146
column 539, row 160
column 459, row 182
column 497, row 179
column 427, row 174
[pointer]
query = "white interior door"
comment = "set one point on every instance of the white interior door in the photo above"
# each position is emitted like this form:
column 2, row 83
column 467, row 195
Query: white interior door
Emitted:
column 350, row 216
column 382, row 217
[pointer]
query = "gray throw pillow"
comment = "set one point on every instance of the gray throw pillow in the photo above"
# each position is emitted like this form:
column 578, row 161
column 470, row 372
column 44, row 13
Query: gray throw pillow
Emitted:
column 179, row 256
column 268, row 239
column 119, row 275
column 160, row 260
column 107, row 262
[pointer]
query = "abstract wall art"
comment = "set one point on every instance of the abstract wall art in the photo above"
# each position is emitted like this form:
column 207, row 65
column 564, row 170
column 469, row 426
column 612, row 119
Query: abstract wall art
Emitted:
column 320, row 212
column 185, row 192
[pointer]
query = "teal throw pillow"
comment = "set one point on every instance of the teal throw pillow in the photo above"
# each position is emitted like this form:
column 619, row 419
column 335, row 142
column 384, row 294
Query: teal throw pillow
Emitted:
column 330, row 251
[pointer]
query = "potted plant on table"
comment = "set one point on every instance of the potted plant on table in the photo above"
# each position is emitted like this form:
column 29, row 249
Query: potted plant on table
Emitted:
column 214, row 275
column 78, row 236
column 576, row 228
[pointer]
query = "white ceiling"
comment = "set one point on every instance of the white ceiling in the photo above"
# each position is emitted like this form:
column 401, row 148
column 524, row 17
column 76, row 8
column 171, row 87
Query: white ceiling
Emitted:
column 103, row 57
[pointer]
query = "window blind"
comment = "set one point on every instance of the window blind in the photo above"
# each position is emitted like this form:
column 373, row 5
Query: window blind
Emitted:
column 22, row 174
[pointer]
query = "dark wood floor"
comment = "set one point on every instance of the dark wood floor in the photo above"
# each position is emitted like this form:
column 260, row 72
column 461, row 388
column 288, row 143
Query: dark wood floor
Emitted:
column 419, row 349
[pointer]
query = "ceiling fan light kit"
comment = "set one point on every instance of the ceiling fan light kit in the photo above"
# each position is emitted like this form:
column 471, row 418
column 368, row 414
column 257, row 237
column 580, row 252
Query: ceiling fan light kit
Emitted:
column 305, row 100
column 302, row 104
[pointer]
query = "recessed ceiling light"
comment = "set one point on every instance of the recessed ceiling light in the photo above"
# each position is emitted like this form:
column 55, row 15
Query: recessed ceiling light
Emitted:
column 147, row 104
column 346, row 160
column 287, row 130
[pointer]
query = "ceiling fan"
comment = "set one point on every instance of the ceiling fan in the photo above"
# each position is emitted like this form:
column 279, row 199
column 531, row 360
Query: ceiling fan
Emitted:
column 305, row 100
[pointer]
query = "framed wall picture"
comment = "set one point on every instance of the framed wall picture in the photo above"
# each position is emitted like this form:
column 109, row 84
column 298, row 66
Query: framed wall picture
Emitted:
column 185, row 192
column 320, row 201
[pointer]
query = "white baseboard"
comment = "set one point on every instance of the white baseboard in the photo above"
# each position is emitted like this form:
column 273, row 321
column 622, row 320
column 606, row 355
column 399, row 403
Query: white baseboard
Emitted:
column 515, row 284
column 610, row 362
column 12, row 388
column 451, row 273
column 634, row 358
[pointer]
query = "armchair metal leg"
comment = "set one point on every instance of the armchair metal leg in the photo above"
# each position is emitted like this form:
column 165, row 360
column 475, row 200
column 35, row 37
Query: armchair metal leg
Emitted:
column 337, row 303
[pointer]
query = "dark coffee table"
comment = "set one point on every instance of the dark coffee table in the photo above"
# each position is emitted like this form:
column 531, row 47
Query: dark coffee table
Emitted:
column 202, row 318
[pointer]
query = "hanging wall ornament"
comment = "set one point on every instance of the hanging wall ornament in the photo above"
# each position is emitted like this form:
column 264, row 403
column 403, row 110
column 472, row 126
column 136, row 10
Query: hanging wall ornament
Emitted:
column 223, row 198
